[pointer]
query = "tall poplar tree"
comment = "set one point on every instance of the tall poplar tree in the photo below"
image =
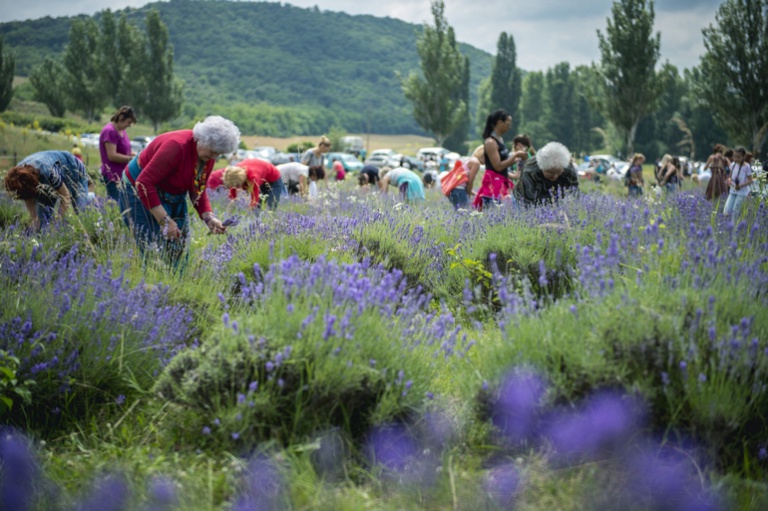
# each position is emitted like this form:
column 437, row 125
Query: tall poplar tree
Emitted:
column 164, row 96
column 83, row 84
column 735, row 67
column 110, row 62
column 48, row 79
column 629, row 52
column 435, row 94
column 533, row 109
column 506, row 81
column 561, row 103
column 7, row 70
column 132, row 46
column 457, row 141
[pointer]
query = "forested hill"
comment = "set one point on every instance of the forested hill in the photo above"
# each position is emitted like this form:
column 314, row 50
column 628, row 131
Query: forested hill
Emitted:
column 275, row 68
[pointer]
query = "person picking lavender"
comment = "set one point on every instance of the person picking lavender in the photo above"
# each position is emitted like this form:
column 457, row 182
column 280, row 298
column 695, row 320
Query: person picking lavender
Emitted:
column 47, row 178
column 158, row 180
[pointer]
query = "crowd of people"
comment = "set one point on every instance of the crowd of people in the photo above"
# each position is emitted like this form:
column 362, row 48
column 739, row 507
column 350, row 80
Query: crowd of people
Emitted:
column 152, row 187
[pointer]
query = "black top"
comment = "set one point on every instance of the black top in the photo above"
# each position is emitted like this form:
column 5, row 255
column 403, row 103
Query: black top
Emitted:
column 503, row 155
column 533, row 188
column 372, row 172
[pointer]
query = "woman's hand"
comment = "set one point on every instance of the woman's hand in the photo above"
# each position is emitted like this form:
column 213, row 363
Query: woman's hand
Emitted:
column 170, row 229
column 215, row 225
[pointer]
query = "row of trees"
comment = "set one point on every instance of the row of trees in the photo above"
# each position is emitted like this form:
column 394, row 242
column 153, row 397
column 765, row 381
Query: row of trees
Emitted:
column 627, row 95
column 114, row 63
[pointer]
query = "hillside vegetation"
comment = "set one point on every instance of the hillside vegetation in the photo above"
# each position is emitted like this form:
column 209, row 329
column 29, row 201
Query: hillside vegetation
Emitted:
column 275, row 69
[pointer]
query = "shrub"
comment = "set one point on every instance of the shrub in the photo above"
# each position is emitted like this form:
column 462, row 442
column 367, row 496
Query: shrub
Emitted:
column 310, row 346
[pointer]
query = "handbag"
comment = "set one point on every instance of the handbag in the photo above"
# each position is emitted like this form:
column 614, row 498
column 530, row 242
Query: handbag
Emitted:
column 455, row 177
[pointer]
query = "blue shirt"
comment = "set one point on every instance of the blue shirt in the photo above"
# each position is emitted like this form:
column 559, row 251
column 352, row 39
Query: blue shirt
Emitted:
column 57, row 168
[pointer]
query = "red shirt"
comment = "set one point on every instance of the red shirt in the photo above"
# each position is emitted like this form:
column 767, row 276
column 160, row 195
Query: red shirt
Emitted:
column 169, row 164
column 257, row 172
column 216, row 179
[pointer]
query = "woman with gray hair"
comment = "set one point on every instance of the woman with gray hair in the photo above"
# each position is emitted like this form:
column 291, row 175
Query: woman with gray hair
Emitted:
column 158, row 180
column 547, row 175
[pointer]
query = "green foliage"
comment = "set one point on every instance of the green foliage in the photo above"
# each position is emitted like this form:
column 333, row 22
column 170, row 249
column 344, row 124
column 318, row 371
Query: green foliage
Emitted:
column 629, row 53
column 163, row 96
column 733, row 67
column 7, row 72
column 83, row 85
column 49, row 81
column 11, row 389
column 275, row 372
column 506, row 80
column 109, row 58
column 300, row 147
column 561, row 99
column 436, row 94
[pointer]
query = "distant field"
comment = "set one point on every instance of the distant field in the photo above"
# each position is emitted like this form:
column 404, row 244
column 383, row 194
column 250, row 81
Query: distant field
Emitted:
column 407, row 144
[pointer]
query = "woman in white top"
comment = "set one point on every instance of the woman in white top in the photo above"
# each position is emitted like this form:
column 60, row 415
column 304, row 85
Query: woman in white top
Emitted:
column 296, row 176
column 738, row 181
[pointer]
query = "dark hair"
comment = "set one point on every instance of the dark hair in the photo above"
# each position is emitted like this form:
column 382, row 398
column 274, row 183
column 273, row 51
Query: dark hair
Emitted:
column 428, row 179
column 317, row 172
column 728, row 153
column 492, row 120
column 719, row 148
column 741, row 150
column 522, row 139
column 676, row 162
column 23, row 182
column 362, row 179
column 123, row 113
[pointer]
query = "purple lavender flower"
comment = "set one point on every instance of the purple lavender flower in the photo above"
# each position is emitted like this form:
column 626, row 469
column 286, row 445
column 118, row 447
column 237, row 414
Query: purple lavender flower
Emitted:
column 516, row 410
column 392, row 447
column 206, row 430
column 120, row 400
column 253, row 386
column 502, row 484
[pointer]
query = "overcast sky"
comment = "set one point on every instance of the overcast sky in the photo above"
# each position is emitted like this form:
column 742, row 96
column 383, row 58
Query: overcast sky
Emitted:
column 546, row 31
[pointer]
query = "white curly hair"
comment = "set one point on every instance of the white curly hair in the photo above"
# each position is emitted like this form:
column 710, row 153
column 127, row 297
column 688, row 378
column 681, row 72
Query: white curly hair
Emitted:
column 554, row 155
column 217, row 134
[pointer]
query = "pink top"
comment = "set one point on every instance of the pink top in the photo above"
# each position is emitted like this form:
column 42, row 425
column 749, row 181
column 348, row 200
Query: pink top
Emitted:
column 113, row 171
column 169, row 164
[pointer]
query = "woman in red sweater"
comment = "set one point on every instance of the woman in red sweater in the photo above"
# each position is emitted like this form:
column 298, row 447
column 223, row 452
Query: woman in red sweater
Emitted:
column 157, row 181
column 258, row 177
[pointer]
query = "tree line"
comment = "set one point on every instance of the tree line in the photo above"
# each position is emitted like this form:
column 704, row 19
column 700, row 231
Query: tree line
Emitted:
column 111, row 63
column 626, row 102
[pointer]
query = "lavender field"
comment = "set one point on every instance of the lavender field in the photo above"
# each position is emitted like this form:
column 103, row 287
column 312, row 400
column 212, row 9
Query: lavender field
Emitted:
column 354, row 352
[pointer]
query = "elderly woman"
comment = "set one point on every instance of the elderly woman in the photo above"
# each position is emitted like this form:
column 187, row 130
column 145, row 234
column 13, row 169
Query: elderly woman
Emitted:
column 547, row 176
column 115, row 149
column 158, row 180
column 256, row 176
column 407, row 182
column 45, row 178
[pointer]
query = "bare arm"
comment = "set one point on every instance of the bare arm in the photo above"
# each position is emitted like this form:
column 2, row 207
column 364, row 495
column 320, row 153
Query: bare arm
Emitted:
column 384, row 183
column 114, row 156
column 303, row 187
column 66, row 199
column 474, row 167
column 492, row 155
column 31, row 205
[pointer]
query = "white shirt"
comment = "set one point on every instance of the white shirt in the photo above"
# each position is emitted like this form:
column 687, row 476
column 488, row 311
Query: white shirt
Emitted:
column 291, row 171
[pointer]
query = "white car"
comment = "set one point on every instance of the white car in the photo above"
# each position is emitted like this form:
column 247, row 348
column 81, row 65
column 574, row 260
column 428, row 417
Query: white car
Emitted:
column 431, row 153
column 89, row 139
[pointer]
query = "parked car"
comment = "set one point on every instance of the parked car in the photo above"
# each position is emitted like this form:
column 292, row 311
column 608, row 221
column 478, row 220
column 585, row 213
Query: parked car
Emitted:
column 280, row 158
column 352, row 144
column 411, row 162
column 381, row 160
column 389, row 153
column 136, row 147
column 266, row 151
column 431, row 153
column 349, row 161
column 144, row 141
column 89, row 139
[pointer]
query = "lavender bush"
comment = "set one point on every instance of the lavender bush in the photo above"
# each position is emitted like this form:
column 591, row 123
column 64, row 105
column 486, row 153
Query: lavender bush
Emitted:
column 309, row 346
column 82, row 333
